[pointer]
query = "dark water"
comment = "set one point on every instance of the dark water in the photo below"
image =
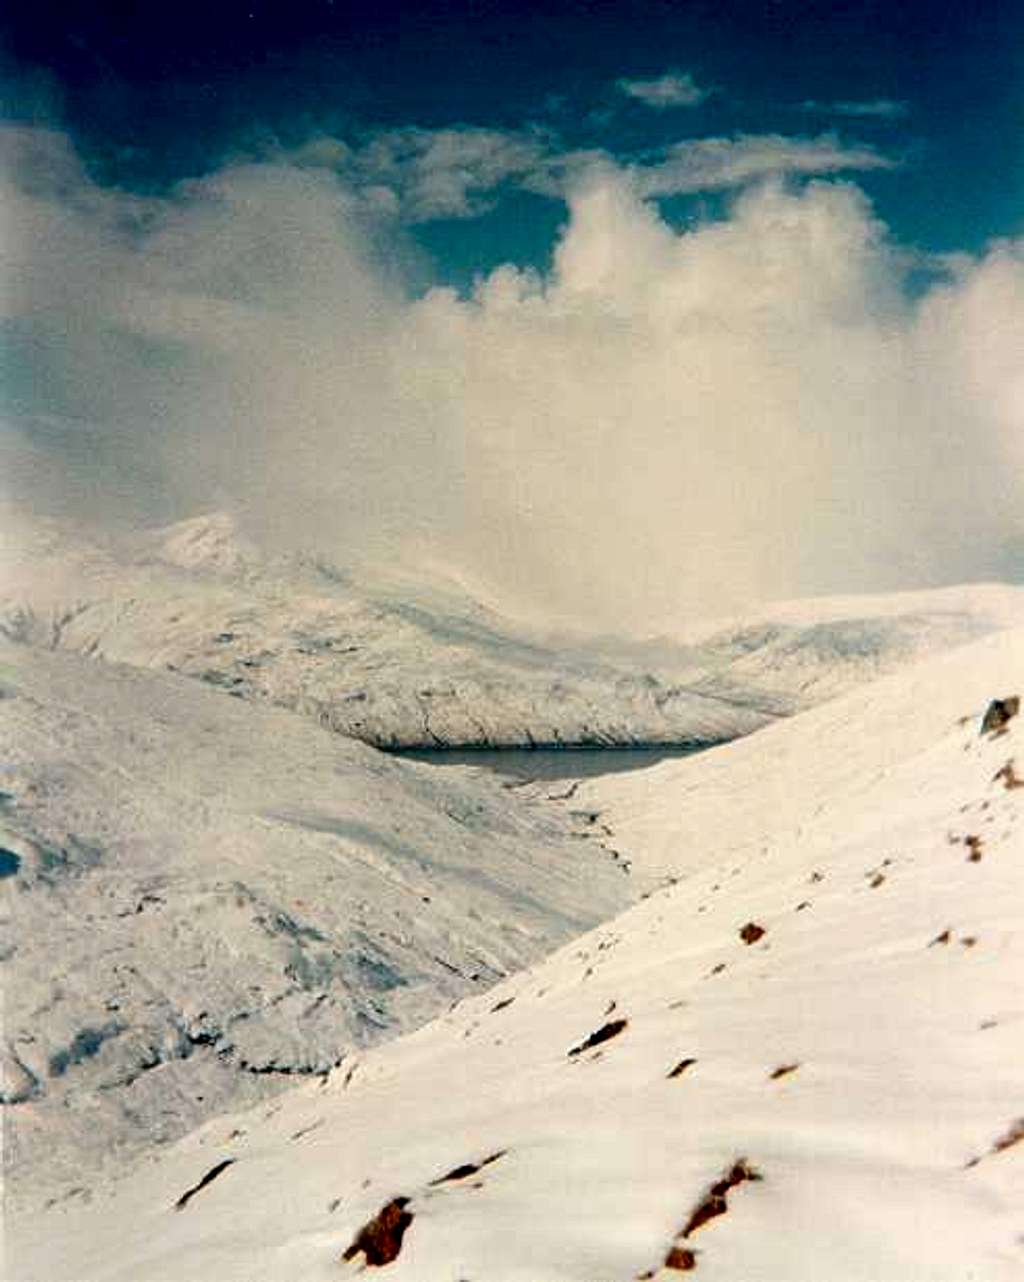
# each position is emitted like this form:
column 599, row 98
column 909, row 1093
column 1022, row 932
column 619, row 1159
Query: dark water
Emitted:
column 551, row 763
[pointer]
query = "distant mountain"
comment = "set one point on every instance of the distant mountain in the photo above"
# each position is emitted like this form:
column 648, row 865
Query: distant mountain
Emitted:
column 802, row 1061
column 423, row 665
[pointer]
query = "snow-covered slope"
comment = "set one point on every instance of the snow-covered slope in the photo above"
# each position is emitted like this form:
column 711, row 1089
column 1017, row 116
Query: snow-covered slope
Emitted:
column 429, row 666
column 205, row 898
column 802, row 1061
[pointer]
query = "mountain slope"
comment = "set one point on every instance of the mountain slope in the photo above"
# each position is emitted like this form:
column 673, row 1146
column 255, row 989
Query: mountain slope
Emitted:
column 206, row 898
column 801, row 1061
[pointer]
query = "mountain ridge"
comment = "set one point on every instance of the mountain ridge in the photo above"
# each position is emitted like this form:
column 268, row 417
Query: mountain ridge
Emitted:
column 436, row 668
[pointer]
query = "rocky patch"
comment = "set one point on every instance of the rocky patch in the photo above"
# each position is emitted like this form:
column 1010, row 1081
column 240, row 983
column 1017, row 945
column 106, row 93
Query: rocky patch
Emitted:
column 379, row 1241
column 715, row 1201
column 998, row 714
column 467, row 1169
column 207, row 1179
column 604, row 1034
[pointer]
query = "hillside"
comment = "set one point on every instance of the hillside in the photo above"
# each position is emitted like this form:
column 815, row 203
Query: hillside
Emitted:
column 207, row 899
column 801, row 1061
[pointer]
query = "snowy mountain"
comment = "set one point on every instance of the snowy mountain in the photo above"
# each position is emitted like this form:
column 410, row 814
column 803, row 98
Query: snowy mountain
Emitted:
column 206, row 899
column 212, row 898
column 427, row 666
column 801, row 1061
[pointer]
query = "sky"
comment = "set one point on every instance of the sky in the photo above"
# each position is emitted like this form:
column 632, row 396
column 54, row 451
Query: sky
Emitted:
column 616, row 314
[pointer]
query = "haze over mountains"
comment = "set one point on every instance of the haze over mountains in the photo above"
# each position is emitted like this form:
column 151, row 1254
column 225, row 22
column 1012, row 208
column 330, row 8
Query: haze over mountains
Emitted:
column 421, row 664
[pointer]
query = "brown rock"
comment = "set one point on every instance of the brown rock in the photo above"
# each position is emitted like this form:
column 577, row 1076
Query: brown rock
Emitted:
column 380, row 1239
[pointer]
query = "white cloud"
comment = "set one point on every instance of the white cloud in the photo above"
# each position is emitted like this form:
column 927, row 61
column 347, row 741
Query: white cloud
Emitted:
column 673, row 89
column 881, row 108
column 667, row 424
column 447, row 173
column 420, row 174
column 424, row 174
column 706, row 164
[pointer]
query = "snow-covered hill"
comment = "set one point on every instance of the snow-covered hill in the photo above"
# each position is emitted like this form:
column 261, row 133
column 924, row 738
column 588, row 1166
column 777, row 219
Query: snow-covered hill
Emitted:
column 802, row 1061
column 404, row 665
column 206, row 898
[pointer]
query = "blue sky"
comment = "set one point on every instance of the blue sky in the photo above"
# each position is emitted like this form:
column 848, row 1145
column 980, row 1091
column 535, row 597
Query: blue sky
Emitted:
column 616, row 314
column 152, row 95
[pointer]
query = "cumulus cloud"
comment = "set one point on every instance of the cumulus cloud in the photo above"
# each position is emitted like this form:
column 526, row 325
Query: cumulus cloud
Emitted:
column 666, row 424
column 880, row 108
column 706, row 164
column 673, row 89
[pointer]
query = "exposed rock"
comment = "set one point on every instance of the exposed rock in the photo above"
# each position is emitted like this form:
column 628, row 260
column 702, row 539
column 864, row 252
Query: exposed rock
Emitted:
column 604, row 1034
column 998, row 713
column 715, row 1201
column 380, row 1239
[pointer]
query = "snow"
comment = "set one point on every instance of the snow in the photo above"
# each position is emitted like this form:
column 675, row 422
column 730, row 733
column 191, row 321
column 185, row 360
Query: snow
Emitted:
column 214, row 897
column 206, row 543
column 886, row 983
column 393, row 666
